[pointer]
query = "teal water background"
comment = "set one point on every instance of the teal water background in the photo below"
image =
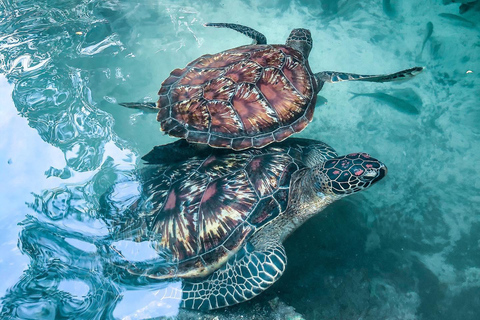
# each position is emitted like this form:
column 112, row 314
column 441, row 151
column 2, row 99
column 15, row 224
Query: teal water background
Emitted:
column 409, row 248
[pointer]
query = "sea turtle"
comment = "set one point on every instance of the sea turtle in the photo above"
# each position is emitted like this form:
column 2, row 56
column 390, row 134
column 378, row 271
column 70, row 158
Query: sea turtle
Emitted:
column 248, row 96
column 218, row 217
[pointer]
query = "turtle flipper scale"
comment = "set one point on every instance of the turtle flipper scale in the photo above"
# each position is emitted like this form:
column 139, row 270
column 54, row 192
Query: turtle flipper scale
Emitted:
column 247, row 274
column 332, row 76
column 249, row 32
column 145, row 106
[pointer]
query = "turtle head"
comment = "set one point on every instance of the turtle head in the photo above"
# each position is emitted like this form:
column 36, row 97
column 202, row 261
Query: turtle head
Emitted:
column 345, row 175
column 301, row 40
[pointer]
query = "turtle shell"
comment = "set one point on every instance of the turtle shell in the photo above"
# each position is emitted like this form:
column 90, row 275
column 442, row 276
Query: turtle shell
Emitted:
column 204, row 208
column 240, row 98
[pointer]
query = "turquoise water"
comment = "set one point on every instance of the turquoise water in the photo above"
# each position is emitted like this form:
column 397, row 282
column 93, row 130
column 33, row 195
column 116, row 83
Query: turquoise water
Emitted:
column 409, row 248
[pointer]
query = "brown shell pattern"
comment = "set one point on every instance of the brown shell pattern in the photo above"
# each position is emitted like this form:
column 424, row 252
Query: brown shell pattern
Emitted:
column 204, row 209
column 240, row 98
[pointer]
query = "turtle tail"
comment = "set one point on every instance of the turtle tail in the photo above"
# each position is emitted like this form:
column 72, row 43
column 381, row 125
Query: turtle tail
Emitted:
column 145, row 106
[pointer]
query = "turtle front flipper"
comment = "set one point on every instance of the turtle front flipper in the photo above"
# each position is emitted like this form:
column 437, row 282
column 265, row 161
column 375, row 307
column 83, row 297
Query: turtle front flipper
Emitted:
column 249, row 32
column 332, row 76
column 245, row 275
column 145, row 106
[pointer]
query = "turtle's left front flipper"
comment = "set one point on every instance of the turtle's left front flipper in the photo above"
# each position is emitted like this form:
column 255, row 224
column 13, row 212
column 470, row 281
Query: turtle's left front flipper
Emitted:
column 145, row 106
column 332, row 76
column 253, row 34
column 245, row 275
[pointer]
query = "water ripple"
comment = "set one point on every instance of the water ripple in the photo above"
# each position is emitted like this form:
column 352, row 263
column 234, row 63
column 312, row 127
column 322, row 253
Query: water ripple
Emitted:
column 66, row 60
column 54, row 96
column 63, row 281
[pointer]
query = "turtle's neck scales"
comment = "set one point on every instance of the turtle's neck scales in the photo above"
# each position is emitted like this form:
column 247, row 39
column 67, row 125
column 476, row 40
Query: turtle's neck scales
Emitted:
column 304, row 203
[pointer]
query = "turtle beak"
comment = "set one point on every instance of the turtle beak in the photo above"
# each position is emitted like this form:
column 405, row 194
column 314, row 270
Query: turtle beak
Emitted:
column 375, row 175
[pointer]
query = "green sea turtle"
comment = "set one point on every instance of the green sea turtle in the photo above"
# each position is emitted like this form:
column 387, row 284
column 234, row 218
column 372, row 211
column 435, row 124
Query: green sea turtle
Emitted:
column 248, row 96
column 218, row 218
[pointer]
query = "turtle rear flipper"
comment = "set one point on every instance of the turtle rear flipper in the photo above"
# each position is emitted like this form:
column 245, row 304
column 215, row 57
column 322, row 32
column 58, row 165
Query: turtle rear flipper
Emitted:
column 249, row 32
column 247, row 274
column 145, row 106
column 177, row 151
column 332, row 76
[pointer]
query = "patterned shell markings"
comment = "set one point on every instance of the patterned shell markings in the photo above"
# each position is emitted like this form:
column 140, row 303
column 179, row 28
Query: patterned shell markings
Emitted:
column 206, row 209
column 244, row 97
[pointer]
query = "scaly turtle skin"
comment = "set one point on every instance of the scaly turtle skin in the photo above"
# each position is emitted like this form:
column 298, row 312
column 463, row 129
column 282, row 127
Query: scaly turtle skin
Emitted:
column 249, row 96
column 218, row 218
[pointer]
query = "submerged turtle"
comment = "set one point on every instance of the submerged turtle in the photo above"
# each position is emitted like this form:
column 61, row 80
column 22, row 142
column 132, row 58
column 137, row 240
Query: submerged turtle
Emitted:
column 248, row 96
column 218, row 218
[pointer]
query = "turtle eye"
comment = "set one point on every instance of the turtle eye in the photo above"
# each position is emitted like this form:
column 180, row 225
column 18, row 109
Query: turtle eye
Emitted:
column 358, row 171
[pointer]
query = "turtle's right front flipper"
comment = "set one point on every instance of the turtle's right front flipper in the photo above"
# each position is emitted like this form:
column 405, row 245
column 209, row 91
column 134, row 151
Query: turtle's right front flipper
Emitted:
column 245, row 275
column 249, row 32
column 145, row 106
column 332, row 76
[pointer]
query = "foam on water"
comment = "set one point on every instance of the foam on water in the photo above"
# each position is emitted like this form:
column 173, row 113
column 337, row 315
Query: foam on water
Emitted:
column 406, row 249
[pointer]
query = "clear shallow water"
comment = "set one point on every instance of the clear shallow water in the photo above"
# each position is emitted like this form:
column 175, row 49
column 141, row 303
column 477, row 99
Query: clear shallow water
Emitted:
column 406, row 249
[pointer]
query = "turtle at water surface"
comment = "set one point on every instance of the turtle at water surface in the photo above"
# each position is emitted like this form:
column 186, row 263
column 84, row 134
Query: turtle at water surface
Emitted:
column 248, row 96
column 218, row 218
